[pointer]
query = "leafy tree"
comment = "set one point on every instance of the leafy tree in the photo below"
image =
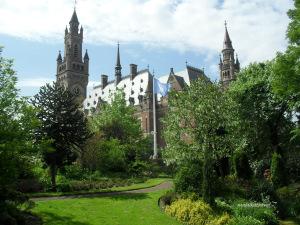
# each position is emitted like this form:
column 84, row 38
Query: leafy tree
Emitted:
column 17, row 143
column 63, row 122
column 116, row 123
column 262, row 120
column 286, row 70
column 195, row 129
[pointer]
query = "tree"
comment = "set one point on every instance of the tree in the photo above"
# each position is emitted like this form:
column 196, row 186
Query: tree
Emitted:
column 286, row 69
column 120, row 132
column 63, row 122
column 262, row 120
column 17, row 143
column 195, row 129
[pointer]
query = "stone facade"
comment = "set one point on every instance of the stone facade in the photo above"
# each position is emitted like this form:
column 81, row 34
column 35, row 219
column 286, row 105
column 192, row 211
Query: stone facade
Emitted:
column 137, row 86
column 72, row 69
column 228, row 65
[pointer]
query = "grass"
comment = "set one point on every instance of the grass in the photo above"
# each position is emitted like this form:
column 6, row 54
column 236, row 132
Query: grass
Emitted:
column 148, row 183
column 129, row 209
column 292, row 221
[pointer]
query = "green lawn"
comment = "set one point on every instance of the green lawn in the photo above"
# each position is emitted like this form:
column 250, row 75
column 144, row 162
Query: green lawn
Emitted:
column 148, row 183
column 129, row 209
column 293, row 221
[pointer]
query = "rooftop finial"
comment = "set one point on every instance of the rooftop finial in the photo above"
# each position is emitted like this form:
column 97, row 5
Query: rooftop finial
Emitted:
column 75, row 3
column 225, row 23
column 186, row 63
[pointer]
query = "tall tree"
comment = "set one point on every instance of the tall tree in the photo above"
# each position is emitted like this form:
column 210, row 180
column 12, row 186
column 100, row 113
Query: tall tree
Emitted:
column 63, row 122
column 262, row 119
column 17, row 126
column 286, row 70
column 195, row 129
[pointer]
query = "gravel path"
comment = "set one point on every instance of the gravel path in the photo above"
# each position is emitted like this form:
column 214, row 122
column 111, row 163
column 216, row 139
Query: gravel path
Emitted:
column 163, row 186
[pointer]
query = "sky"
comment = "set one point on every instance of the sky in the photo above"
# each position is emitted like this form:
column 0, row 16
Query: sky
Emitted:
column 158, row 33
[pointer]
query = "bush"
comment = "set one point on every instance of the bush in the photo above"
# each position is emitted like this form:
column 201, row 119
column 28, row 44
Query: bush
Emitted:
column 260, row 189
column 292, row 165
column 187, row 211
column 189, row 177
column 245, row 220
column 195, row 213
column 241, row 165
column 261, row 212
column 167, row 199
column 289, row 197
column 277, row 170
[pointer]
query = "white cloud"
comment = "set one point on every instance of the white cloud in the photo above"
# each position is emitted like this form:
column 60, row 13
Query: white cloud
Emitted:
column 257, row 27
column 33, row 82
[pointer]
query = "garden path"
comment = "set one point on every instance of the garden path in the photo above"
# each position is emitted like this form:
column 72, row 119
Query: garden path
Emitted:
column 163, row 186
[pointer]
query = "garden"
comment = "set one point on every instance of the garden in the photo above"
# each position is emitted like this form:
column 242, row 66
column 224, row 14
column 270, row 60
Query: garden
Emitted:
column 232, row 153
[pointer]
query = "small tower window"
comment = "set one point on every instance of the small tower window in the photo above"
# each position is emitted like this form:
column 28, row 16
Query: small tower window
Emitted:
column 75, row 51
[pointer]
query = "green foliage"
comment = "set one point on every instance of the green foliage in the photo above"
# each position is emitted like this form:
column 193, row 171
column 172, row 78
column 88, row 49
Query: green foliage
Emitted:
column 277, row 170
column 189, row 177
column 262, row 120
column 61, row 121
column 118, row 144
column 17, row 143
column 289, row 197
column 264, row 213
column 245, row 220
column 286, row 70
column 195, row 128
column 241, row 165
column 195, row 213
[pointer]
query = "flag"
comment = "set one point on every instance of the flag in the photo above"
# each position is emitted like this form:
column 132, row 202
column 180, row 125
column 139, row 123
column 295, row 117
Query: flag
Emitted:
column 161, row 88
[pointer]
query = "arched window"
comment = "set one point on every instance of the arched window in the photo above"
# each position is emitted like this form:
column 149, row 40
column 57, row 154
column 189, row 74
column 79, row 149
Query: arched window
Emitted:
column 75, row 51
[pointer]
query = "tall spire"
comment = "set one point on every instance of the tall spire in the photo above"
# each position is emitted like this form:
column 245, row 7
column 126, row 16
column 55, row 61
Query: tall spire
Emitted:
column 118, row 68
column 227, row 42
column 74, row 18
column 118, row 63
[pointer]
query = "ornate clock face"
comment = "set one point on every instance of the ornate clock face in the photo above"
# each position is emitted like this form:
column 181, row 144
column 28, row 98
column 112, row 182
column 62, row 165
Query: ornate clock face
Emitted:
column 76, row 91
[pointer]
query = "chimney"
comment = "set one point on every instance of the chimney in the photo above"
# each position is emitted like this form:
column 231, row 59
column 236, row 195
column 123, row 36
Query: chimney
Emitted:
column 133, row 71
column 104, row 79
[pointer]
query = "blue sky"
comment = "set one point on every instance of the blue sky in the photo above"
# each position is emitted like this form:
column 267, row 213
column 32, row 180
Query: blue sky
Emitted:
column 161, row 33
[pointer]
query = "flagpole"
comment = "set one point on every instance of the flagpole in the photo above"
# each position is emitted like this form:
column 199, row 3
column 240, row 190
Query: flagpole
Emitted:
column 154, row 122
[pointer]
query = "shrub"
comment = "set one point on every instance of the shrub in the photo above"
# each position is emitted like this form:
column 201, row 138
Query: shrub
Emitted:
column 167, row 199
column 222, row 220
column 289, row 197
column 74, row 172
column 292, row 165
column 189, row 177
column 277, row 170
column 193, row 213
column 261, row 189
column 261, row 212
column 245, row 220
column 241, row 165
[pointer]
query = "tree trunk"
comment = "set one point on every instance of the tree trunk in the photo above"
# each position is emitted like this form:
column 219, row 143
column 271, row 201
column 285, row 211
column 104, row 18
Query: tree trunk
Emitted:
column 53, row 171
column 208, row 173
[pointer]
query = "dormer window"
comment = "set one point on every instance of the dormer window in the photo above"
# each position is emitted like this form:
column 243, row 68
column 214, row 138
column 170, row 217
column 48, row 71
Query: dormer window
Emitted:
column 132, row 83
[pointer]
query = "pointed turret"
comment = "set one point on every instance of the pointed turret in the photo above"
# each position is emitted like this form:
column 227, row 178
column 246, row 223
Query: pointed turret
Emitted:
column 66, row 30
column 59, row 58
column 227, row 42
column 74, row 23
column 86, row 56
column 118, row 68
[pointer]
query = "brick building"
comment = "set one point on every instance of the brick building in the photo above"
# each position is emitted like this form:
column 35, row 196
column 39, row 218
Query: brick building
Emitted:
column 73, row 72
